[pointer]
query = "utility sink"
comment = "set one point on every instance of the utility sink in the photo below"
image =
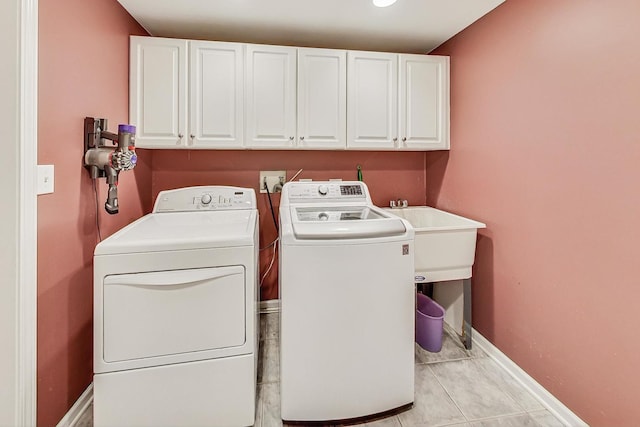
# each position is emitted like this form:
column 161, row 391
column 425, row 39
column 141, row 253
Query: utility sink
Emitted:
column 445, row 244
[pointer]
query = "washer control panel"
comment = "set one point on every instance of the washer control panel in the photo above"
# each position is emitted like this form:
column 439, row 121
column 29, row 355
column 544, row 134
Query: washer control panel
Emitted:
column 205, row 198
column 315, row 191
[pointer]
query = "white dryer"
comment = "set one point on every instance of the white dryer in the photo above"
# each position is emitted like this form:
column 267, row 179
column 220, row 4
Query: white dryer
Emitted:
column 176, row 313
column 347, row 304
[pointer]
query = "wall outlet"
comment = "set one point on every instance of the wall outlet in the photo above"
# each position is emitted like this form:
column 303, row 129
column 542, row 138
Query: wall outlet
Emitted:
column 273, row 179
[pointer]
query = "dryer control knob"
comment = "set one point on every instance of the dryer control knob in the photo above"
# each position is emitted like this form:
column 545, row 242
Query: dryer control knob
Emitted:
column 205, row 199
column 322, row 189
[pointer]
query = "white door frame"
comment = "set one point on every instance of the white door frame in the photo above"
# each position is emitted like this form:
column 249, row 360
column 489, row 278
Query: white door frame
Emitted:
column 26, row 325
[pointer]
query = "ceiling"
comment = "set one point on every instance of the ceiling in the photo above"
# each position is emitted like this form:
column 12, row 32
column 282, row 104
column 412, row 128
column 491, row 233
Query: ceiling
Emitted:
column 411, row 26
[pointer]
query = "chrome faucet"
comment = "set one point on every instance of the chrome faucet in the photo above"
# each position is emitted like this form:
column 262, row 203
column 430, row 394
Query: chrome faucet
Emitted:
column 400, row 203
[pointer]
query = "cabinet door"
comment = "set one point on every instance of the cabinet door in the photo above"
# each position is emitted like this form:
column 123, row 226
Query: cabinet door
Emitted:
column 216, row 100
column 157, row 91
column 424, row 102
column 322, row 98
column 271, row 96
column 372, row 100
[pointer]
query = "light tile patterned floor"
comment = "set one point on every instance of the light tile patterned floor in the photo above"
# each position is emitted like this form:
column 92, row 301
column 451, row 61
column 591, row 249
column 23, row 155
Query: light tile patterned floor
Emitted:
column 454, row 387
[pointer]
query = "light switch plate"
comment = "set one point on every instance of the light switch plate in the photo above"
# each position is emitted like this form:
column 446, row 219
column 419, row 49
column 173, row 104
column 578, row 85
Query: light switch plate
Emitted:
column 45, row 179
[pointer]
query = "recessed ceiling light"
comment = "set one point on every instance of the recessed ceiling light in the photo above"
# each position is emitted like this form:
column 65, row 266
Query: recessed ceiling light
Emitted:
column 383, row 3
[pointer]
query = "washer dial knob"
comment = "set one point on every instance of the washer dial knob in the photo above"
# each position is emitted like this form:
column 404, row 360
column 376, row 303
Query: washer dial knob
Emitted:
column 322, row 190
column 205, row 199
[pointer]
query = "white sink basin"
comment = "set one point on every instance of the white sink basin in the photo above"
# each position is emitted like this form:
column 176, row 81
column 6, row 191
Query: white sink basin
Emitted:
column 445, row 244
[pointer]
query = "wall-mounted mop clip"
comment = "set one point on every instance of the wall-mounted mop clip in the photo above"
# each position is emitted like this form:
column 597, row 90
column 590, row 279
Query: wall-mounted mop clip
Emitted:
column 107, row 161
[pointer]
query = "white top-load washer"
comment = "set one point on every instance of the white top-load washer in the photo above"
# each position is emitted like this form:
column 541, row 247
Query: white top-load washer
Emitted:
column 175, row 313
column 347, row 304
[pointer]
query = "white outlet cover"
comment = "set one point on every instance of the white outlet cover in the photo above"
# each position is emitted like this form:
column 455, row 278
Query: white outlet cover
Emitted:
column 273, row 178
column 45, row 179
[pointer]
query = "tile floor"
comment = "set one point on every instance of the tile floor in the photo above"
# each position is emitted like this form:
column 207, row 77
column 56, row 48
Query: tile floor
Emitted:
column 455, row 387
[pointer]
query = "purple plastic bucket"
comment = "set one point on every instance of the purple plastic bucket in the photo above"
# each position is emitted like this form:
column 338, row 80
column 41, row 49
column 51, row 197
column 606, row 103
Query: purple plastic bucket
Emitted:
column 429, row 323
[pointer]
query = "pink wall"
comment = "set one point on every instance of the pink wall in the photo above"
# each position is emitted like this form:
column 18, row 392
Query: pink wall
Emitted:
column 388, row 176
column 545, row 150
column 83, row 71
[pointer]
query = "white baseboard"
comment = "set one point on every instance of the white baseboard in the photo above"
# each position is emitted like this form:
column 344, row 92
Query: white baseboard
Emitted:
column 78, row 409
column 270, row 306
column 549, row 401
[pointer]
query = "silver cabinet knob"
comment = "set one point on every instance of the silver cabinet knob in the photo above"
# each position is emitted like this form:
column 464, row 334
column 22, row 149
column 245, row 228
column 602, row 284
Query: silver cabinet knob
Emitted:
column 302, row 138
column 192, row 136
column 290, row 138
column 180, row 135
column 395, row 139
column 404, row 139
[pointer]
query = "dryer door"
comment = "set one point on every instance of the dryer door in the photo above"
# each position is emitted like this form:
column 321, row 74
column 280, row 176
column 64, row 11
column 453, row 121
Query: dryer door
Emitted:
column 171, row 312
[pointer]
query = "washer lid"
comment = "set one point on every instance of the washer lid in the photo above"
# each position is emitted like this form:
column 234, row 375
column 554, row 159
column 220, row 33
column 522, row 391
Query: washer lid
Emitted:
column 344, row 222
column 158, row 232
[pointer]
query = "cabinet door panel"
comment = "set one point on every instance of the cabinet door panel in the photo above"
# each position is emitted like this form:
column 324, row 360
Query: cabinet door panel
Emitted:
column 216, row 96
column 322, row 98
column 424, row 102
column 372, row 100
column 271, row 96
column 158, row 91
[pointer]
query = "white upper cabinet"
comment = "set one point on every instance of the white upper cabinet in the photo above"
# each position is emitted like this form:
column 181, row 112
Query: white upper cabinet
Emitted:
column 423, row 102
column 372, row 100
column 157, row 91
column 397, row 102
column 296, row 97
column 216, row 102
column 216, row 95
column 186, row 94
column 322, row 98
column 271, row 97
